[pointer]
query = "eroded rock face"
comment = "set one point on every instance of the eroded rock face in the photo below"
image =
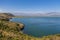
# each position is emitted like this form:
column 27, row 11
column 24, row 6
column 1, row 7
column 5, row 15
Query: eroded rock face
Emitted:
column 20, row 26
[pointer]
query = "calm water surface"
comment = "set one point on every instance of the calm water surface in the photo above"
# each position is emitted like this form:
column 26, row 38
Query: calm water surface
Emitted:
column 40, row 26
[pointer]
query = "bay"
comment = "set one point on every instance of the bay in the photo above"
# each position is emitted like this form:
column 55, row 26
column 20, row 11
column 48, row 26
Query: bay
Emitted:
column 40, row 26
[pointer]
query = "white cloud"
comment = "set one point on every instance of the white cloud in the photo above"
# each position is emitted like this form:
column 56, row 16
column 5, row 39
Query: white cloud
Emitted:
column 2, row 10
column 23, row 11
column 28, row 11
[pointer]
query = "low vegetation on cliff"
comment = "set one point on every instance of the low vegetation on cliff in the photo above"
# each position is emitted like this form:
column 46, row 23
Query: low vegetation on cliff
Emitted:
column 13, row 31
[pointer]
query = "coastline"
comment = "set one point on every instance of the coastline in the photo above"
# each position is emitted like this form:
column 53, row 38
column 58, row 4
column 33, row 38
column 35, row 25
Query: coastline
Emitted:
column 21, row 36
column 13, row 31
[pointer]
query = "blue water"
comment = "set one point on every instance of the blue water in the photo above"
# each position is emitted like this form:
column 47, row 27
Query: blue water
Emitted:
column 40, row 26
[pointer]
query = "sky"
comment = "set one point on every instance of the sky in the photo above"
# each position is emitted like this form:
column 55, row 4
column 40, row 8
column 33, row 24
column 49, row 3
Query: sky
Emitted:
column 30, row 6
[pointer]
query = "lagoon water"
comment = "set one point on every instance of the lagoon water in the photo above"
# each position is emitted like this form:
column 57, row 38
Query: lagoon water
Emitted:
column 40, row 26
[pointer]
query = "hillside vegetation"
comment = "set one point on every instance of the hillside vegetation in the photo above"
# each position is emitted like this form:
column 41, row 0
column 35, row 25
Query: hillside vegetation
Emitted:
column 13, row 31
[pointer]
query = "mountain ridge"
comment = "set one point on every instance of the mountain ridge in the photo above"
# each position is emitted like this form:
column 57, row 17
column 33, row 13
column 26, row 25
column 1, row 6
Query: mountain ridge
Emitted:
column 38, row 14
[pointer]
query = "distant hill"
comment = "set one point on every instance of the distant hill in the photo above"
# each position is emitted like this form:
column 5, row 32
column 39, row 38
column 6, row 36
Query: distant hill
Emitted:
column 53, row 14
column 6, row 16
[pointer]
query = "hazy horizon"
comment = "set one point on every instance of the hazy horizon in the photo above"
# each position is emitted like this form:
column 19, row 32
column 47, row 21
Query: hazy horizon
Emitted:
column 29, row 6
